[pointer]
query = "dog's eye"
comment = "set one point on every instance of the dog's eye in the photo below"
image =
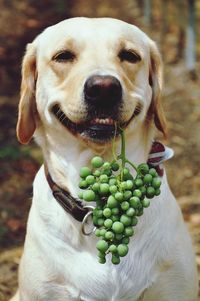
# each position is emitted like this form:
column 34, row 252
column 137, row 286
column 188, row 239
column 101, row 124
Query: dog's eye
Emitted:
column 129, row 56
column 64, row 56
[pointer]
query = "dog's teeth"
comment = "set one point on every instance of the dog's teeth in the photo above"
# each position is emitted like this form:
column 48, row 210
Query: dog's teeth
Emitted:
column 108, row 121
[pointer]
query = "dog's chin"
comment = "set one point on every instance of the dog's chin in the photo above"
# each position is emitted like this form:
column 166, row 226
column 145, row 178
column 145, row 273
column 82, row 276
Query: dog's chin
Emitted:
column 97, row 130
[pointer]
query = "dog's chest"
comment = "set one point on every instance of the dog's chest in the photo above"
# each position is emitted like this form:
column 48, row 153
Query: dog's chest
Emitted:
column 87, row 280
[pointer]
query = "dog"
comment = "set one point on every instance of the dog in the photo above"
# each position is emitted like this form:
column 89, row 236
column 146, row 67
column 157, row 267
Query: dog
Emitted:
column 80, row 77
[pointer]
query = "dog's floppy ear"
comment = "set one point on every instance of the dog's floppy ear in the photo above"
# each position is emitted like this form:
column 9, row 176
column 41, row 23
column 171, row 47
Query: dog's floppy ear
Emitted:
column 155, row 79
column 26, row 124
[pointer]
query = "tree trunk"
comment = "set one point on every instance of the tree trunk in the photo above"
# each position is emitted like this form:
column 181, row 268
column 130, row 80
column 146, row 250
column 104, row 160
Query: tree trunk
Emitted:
column 147, row 12
column 190, row 55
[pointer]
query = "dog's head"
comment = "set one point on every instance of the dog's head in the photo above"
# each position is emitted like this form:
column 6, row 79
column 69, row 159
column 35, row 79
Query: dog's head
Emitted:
column 86, row 76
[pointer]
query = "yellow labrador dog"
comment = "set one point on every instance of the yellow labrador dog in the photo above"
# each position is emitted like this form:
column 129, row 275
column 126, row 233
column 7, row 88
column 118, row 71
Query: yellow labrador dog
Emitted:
column 79, row 77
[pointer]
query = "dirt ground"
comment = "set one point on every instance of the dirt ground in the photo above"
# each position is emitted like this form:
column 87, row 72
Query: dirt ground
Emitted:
column 19, row 164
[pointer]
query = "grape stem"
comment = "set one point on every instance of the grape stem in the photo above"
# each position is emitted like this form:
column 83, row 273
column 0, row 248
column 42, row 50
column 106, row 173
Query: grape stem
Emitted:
column 133, row 165
column 113, row 144
column 122, row 156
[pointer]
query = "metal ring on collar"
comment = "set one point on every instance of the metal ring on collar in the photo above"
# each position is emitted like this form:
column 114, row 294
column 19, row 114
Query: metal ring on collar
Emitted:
column 85, row 220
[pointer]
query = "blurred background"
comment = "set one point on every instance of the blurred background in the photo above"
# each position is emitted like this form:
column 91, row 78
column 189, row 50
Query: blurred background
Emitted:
column 175, row 26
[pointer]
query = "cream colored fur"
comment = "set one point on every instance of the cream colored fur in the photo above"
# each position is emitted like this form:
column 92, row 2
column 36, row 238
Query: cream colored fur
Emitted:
column 60, row 263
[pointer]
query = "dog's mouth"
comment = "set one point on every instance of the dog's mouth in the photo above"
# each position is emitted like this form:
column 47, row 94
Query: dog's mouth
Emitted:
column 99, row 129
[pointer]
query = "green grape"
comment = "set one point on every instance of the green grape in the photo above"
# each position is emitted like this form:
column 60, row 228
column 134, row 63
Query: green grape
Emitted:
column 138, row 182
column 137, row 193
column 95, row 187
column 125, row 220
column 143, row 190
column 95, row 220
column 125, row 240
column 112, row 181
column 140, row 212
column 107, row 172
column 101, row 255
column 127, row 195
column 97, row 173
column 115, row 166
column 156, row 183
column 109, row 235
column 83, row 184
column 145, row 203
column 111, row 202
column 97, row 233
column 134, row 221
column 88, row 195
column 97, row 162
column 90, row 179
column 118, row 227
column 102, row 260
column 125, row 205
column 153, row 172
column 80, row 194
column 85, row 171
column 98, row 212
column 129, row 184
column 102, row 245
column 128, row 231
column 115, row 259
column 134, row 202
column 119, row 196
column 113, row 189
column 107, row 212
column 113, row 248
column 123, row 185
column 115, row 211
column 104, row 189
column 106, row 165
column 150, row 192
column 100, row 222
column 128, row 177
column 102, row 232
column 126, row 171
column 122, row 250
column 143, row 168
column 157, row 191
column 108, row 223
column 115, row 218
column 103, row 178
column 147, row 179
column 140, row 206
column 130, row 212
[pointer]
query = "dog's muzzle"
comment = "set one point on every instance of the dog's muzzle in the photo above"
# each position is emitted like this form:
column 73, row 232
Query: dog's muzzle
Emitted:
column 103, row 97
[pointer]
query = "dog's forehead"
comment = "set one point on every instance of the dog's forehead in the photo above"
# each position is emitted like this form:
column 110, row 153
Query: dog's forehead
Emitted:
column 91, row 31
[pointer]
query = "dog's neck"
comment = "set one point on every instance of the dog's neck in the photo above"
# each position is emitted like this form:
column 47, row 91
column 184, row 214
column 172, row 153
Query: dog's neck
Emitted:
column 65, row 158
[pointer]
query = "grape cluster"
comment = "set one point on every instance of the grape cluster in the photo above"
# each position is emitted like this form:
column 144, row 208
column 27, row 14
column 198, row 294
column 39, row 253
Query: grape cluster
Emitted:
column 120, row 199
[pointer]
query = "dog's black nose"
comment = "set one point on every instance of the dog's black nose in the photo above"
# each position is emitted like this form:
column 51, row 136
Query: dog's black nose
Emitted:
column 103, row 91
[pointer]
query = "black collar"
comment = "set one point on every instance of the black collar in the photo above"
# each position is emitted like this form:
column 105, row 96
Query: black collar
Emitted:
column 158, row 154
column 70, row 204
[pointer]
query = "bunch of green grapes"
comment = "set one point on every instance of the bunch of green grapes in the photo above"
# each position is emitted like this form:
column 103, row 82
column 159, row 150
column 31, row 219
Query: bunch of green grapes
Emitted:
column 120, row 199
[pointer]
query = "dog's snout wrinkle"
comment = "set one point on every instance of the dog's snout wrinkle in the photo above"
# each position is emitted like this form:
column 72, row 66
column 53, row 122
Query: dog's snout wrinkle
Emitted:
column 102, row 91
